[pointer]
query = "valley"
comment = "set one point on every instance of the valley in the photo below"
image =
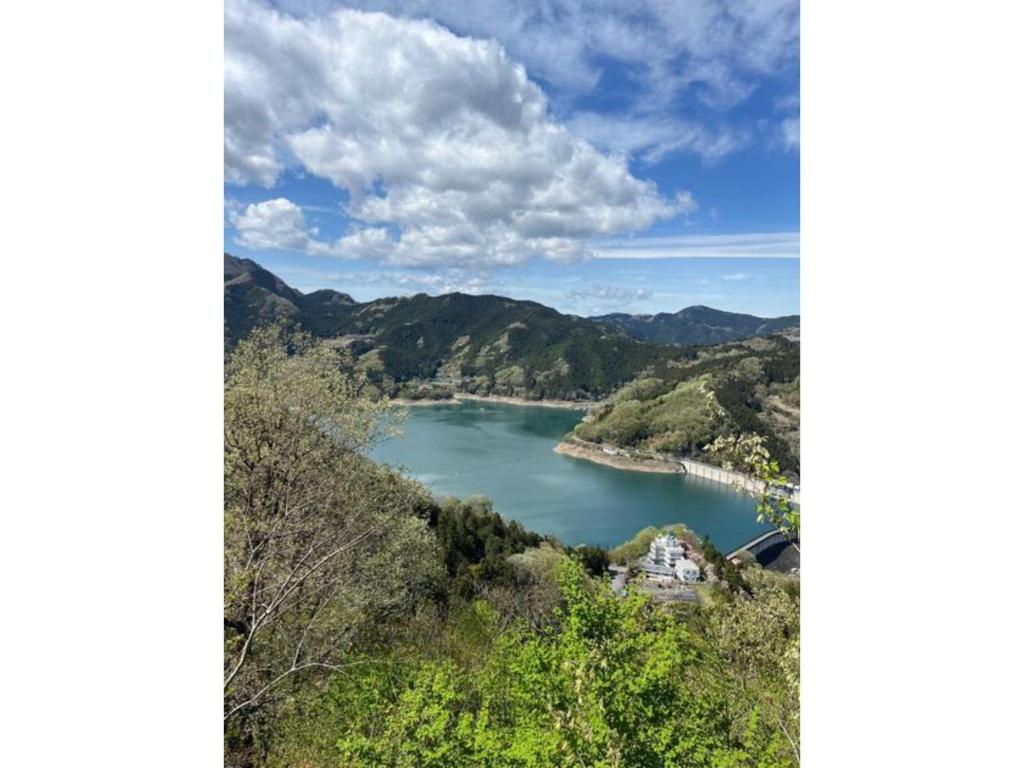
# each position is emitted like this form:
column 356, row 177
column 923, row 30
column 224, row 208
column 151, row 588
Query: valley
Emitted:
column 640, row 396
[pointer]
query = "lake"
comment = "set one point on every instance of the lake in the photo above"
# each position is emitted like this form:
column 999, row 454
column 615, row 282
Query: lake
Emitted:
column 506, row 452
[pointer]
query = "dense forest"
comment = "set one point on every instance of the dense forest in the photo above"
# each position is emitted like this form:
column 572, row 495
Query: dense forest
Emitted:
column 369, row 624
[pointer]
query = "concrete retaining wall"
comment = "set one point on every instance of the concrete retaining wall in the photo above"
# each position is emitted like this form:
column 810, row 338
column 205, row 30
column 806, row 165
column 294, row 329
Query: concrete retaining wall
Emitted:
column 719, row 475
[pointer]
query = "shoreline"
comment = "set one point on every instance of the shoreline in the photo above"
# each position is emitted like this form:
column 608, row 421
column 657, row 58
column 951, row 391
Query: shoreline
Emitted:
column 459, row 397
column 740, row 483
column 596, row 455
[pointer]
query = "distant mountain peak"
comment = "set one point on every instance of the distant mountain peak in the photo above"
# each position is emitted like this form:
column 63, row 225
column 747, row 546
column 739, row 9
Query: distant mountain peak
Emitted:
column 698, row 324
column 254, row 295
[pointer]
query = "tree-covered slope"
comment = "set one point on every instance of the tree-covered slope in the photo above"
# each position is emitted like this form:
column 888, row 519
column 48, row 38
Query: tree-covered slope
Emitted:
column 480, row 344
column 254, row 297
column 697, row 325
column 755, row 383
column 495, row 345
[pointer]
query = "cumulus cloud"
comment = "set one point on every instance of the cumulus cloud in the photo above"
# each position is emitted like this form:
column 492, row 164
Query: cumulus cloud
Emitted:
column 718, row 48
column 277, row 223
column 445, row 148
column 709, row 52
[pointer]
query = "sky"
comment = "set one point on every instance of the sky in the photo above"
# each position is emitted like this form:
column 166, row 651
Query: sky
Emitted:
column 597, row 157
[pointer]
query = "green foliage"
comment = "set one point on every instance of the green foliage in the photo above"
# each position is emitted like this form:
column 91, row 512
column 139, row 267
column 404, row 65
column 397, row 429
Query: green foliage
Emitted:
column 750, row 455
column 369, row 625
column 616, row 682
column 595, row 560
column 476, row 543
column 651, row 414
column 320, row 544
column 726, row 571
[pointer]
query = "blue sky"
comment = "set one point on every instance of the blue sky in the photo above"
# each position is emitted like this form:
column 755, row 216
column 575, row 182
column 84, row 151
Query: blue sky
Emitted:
column 636, row 157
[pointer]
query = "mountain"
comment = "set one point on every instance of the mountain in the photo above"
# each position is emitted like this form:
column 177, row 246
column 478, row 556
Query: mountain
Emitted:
column 428, row 344
column 253, row 296
column 431, row 346
column 655, row 395
column 697, row 325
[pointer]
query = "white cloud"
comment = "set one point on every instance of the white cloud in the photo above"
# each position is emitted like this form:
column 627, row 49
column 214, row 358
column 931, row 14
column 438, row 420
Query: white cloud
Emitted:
column 652, row 138
column 365, row 285
column 736, row 276
column 789, row 131
column 434, row 282
column 446, row 149
column 785, row 245
column 593, row 298
column 716, row 52
column 718, row 48
column 275, row 224
column 687, row 202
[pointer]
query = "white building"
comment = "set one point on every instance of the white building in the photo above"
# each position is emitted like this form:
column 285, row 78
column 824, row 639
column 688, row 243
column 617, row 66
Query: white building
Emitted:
column 687, row 570
column 656, row 571
column 666, row 550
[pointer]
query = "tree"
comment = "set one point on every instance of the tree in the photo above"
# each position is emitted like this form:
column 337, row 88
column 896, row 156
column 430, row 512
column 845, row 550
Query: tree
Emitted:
column 594, row 559
column 757, row 636
column 617, row 683
column 319, row 541
column 748, row 454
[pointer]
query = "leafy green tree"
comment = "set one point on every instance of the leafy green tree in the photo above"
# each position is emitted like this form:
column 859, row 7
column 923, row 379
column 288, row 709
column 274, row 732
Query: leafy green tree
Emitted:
column 594, row 560
column 476, row 543
column 757, row 636
column 319, row 542
column 615, row 682
column 748, row 454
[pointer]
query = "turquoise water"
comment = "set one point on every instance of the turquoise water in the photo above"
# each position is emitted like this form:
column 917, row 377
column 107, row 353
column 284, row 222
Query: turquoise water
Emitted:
column 505, row 452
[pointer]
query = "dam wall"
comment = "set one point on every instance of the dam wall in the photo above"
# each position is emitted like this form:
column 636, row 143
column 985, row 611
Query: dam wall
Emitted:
column 720, row 475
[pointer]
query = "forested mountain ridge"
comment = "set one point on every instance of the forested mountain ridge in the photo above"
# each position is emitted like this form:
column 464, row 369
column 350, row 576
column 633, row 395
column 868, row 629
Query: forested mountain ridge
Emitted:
column 490, row 345
column 253, row 297
column 698, row 325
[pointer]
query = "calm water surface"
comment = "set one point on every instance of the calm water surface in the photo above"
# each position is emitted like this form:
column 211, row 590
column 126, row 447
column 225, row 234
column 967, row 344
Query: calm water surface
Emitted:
column 505, row 452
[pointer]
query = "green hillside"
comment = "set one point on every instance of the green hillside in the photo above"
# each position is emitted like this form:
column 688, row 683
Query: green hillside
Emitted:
column 756, row 382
